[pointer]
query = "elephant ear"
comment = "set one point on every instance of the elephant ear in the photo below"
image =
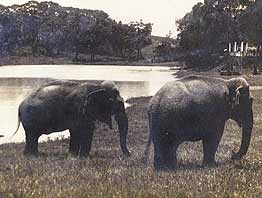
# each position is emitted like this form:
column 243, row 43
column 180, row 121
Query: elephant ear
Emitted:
column 98, row 105
column 91, row 98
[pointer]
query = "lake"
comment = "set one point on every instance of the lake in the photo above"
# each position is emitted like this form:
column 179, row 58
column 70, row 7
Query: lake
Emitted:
column 18, row 81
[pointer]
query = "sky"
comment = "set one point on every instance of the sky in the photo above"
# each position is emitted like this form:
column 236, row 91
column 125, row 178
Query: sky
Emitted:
column 162, row 13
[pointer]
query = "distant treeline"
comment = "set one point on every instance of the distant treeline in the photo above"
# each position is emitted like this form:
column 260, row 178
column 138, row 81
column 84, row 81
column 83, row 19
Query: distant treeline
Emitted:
column 204, row 33
column 49, row 29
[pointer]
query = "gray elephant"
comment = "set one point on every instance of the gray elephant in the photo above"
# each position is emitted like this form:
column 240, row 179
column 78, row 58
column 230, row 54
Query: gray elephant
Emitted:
column 61, row 105
column 196, row 108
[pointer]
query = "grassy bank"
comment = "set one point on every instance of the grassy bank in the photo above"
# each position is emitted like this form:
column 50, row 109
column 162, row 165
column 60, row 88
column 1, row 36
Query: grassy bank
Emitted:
column 108, row 174
column 44, row 60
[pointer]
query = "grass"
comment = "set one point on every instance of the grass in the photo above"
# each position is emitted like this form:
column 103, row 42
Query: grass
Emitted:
column 83, row 60
column 107, row 173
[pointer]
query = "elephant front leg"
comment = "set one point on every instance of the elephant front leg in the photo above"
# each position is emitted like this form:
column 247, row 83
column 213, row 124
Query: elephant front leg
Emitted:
column 81, row 136
column 85, row 144
column 210, row 146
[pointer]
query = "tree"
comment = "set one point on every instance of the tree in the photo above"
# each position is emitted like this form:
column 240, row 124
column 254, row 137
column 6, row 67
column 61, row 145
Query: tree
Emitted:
column 138, row 34
column 205, row 32
column 9, row 35
column 119, row 38
column 27, row 15
column 166, row 49
column 250, row 24
column 211, row 25
column 50, row 29
column 99, row 33
column 129, row 39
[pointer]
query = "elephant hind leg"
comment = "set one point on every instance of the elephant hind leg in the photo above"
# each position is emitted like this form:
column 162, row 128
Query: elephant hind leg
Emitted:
column 165, row 154
column 158, row 156
column 31, row 147
column 74, row 145
column 169, row 156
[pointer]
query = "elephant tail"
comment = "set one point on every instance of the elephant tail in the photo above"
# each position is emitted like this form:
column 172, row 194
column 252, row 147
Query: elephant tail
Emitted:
column 149, row 141
column 18, row 125
column 147, row 149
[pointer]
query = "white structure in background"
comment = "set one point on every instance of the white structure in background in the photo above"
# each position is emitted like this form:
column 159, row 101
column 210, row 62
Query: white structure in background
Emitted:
column 242, row 46
column 243, row 49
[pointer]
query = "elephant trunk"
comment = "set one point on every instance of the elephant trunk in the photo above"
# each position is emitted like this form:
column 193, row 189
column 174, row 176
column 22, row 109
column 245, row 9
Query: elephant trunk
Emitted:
column 122, row 122
column 247, row 127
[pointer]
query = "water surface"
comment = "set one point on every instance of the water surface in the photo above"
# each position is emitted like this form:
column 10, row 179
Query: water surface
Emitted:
column 18, row 81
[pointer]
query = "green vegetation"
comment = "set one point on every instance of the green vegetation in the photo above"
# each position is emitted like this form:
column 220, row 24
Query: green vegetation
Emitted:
column 108, row 174
column 207, row 30
column 50, row 30
column 212, row 25
column 54, row 34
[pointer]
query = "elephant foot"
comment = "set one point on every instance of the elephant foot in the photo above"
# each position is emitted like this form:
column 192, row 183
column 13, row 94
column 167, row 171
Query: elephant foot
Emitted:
column 165, row 167
column 72, row 157
column 165, row 163
column 73, row 154
column 31, row 154
column 41, row 154
column 127, row 153
column 210, row 164
column 236, row 156
column 83, row 155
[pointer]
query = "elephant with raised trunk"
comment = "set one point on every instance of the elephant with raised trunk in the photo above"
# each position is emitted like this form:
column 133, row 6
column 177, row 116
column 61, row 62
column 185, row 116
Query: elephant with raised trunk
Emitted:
column 196, row 108
column 61, row 105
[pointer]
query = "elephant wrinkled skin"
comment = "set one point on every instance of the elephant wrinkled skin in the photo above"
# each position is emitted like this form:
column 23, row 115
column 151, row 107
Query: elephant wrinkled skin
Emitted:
column 61, row 105
column 196, row 108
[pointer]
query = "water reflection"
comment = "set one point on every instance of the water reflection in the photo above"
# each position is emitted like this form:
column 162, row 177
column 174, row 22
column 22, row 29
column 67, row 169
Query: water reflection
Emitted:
column 18, row 81
column 105, row 72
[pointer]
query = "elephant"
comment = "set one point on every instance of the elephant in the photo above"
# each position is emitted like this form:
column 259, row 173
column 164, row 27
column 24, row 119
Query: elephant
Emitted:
column 195, row 108
column 60, row 105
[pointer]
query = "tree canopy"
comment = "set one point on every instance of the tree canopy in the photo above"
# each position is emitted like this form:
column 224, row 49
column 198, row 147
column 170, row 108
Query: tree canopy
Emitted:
column 250, row 23
column 213, row 24
column 50, row 29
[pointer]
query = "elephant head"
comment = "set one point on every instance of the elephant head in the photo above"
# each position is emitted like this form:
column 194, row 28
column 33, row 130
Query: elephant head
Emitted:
column 105, row 102
column 241, row 111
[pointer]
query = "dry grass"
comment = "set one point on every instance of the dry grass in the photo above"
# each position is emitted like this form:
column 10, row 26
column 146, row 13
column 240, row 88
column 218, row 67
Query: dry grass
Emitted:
column 108, row 174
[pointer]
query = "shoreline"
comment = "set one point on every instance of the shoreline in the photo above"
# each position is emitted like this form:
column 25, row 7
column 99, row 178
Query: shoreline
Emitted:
column 9, row 61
